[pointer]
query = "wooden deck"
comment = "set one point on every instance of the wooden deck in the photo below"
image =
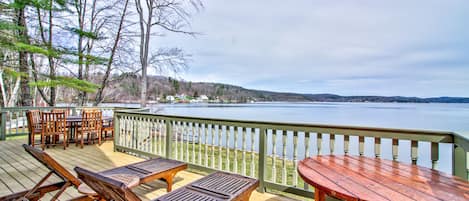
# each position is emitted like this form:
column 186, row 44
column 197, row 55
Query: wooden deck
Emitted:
column 19, row 171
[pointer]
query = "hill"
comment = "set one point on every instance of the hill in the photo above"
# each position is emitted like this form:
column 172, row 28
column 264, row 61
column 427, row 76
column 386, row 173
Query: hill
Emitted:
column 126, row 89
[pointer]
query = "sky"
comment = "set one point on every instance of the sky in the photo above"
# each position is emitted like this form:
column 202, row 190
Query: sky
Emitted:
column 346, row 47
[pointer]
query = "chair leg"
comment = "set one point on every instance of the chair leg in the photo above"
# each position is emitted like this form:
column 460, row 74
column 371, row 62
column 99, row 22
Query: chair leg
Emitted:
column 65, row 141
column 82, row 140
column 99, row 137
column 43, row 142
column 32, row 139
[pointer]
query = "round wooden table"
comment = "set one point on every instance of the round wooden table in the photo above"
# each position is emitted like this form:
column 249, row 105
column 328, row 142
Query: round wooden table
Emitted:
column 363, row 178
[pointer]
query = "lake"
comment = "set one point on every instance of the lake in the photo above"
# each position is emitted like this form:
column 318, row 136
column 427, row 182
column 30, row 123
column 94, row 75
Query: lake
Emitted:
column 428, row 116
column 432, row 116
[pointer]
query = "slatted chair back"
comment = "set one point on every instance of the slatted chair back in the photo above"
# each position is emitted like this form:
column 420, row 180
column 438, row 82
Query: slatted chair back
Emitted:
column 34, row 124
column 107, row 188
column 34, row 119
column 66, row 111
column 92, row 121
column 52, row 165
column 53, row 123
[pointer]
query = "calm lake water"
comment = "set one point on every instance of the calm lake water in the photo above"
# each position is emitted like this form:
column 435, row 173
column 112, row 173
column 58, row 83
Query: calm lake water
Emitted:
column 431, row 116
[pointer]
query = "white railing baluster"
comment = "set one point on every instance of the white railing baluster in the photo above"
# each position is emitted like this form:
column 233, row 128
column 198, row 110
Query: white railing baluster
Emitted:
column 159, row 129
column 206, row 144
column 319, row 142
column 243, row 167
column 199, row 136
column 181, row 140
column 227, row 135
column 331, row 143
column 434, row 154
column 131, row 132
column 193, row 142
column 305, row 185
column 236, row 132
column 395, row 149
column 295, row 158
column 186, row 129
column 346, row 144
column 414, row 151
column 361, row 145
column 175, row 136
column 284, row 158
column 212, row 148
column 164, row 137
column 377, row 147
column 274, row 156
column 253, row 132
column 220, row 161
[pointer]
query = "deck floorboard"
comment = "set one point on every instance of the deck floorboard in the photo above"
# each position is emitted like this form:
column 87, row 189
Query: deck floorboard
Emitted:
column 19, row 171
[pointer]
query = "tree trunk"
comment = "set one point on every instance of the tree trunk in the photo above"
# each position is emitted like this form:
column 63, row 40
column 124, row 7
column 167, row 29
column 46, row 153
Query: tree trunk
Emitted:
column 52, row 72
column 25, row 96
column 145, row 31
column 99, row 95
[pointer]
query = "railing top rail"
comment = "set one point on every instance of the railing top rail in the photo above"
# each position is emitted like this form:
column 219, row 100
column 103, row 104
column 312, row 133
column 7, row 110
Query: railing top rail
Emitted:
column 425, row 135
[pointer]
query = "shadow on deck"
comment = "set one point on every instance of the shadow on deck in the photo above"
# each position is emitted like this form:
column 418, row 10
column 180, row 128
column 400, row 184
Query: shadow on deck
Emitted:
column 19, row 171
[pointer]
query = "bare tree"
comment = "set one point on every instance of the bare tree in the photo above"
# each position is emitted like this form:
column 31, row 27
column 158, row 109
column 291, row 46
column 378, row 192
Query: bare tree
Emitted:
column 168, row 15
column 118, row 36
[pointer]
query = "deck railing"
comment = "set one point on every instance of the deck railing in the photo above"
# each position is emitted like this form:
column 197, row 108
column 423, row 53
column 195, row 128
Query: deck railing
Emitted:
column 270, row 151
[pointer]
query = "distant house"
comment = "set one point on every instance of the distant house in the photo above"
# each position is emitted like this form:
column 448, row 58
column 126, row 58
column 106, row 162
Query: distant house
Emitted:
column 203, row 98
column 170, row 98
column 181, row 96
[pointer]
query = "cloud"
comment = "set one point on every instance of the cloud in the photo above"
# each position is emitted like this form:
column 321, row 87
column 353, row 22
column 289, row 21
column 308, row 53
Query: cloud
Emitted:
column 412, row 48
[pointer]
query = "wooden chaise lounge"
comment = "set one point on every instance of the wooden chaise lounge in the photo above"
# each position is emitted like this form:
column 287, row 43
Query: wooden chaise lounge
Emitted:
column 218, row 186
column 145, row 171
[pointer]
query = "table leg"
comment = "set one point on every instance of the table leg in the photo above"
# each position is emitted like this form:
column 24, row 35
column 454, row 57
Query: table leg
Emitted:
column 319, row 195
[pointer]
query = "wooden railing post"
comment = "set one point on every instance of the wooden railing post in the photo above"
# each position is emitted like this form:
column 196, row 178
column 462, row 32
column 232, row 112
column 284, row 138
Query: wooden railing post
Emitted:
column 461, row 157
column 168, row 138
column 262, row 158
column 3, row 125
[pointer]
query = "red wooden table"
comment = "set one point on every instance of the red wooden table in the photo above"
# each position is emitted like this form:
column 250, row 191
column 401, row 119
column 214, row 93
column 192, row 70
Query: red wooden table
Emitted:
column 363, row 178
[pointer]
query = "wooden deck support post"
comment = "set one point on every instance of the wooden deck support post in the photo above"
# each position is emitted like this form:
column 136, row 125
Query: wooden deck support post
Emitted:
column 116, row 129
column 262, row 158
column 3, row 124
column 461, row 157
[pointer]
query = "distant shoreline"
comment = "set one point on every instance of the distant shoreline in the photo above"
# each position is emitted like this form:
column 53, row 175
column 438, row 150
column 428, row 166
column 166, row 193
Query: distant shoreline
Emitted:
column 275, row 102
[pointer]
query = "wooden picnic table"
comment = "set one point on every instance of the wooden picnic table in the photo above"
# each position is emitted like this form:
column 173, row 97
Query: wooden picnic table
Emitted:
column 364, row 178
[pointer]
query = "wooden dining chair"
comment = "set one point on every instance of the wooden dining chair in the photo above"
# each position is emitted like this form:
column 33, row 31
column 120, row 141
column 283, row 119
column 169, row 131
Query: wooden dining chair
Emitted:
column 34, row 125
column 107, row 130
column 53, row 125
column 90, row 126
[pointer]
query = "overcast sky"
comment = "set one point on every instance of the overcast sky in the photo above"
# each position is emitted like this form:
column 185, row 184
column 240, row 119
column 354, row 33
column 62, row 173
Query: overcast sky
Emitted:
column 349, row 47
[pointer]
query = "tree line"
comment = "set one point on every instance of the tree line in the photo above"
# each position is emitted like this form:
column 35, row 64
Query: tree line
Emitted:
column 55, row 46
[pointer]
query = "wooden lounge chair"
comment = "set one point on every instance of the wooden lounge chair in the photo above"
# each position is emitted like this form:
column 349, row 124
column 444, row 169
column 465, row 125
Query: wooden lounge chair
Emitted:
column 39, row 190
column 215, row 187
column 145, row 171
